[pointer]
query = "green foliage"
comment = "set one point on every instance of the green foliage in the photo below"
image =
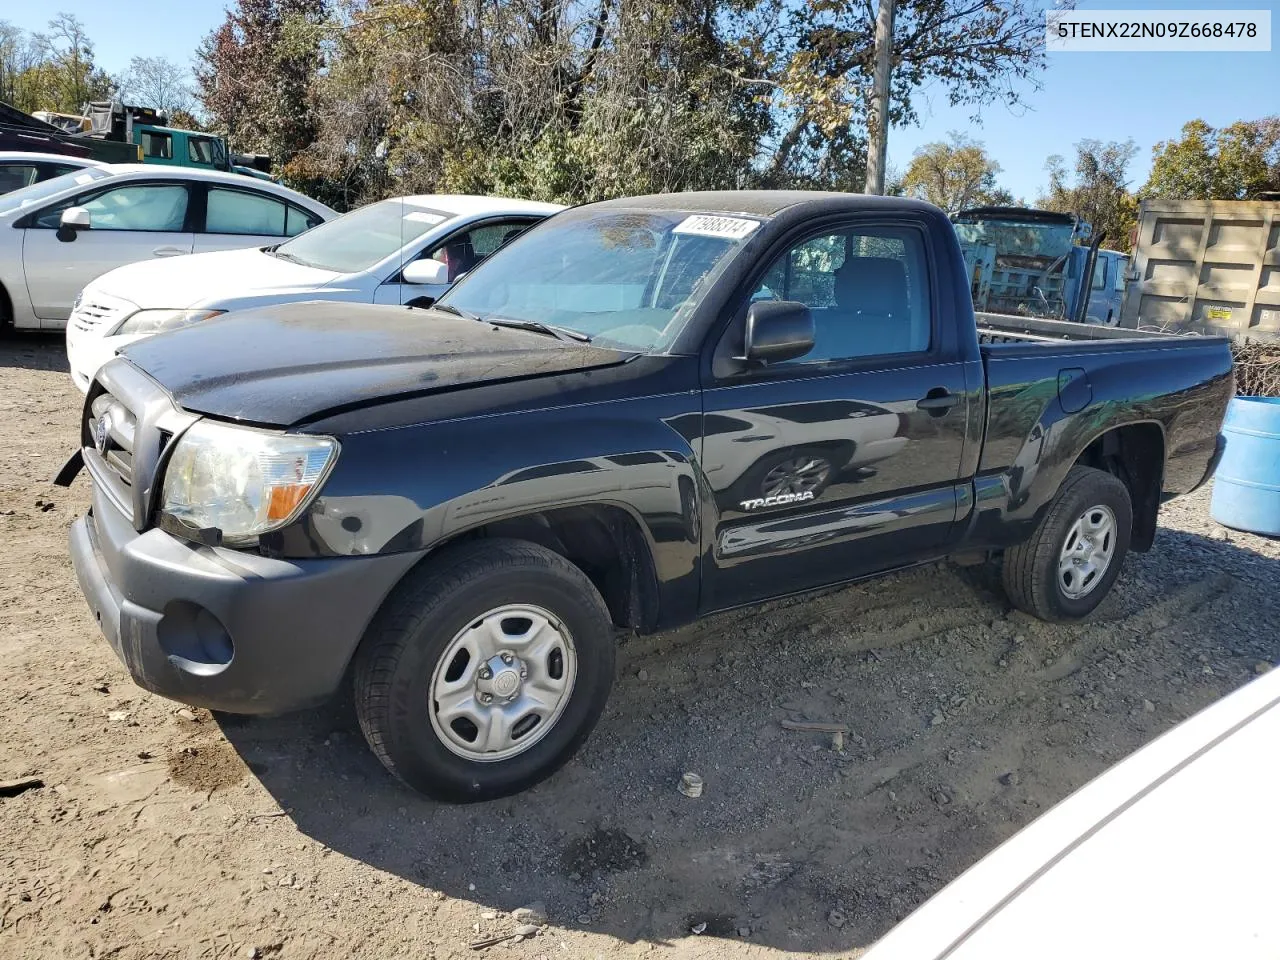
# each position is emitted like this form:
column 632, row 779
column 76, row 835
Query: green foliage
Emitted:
column 1097, row 190
column 1237, row 162
column 53, row 70
column 954, row 174
column 254, row 75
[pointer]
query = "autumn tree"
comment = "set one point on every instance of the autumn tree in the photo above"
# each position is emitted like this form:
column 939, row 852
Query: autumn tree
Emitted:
column 1236, row 162
column 52, row 70
column 254, row 74
column 820, row 55
column 1096, row 189
column 548, row 99
column 954, row 174
column 160, row 83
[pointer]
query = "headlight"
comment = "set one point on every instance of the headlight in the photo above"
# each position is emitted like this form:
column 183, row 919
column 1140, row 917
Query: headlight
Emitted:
column 158, row 321
column 243, row 481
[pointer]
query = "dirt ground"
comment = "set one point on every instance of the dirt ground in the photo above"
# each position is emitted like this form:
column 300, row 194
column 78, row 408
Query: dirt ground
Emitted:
column 165, row 832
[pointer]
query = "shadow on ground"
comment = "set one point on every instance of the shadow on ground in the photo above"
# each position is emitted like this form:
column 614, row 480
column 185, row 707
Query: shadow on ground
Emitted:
column 795, row 845
column 34, row 350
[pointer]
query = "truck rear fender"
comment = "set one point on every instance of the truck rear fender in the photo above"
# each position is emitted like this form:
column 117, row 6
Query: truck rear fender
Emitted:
column 1134, row 453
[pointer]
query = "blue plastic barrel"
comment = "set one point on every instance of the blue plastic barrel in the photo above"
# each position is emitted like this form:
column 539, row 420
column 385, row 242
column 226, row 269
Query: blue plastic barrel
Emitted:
column 1246, row 488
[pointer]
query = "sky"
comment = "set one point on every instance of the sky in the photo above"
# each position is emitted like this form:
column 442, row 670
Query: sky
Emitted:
column 1146, row 97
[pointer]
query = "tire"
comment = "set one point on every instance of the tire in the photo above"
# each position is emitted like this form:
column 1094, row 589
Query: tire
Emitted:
column 1034, row 577
column 452, row 606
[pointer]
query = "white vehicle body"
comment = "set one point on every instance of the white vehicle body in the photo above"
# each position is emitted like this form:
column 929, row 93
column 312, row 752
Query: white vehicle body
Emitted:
column 21, row 168
column 1169, row 854
column 359, row 257
column 124, row 213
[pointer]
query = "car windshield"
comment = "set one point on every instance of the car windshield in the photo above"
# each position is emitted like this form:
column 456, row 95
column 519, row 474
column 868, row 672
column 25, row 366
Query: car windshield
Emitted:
column 626, row 278
column 361, row 238
column 39, row 191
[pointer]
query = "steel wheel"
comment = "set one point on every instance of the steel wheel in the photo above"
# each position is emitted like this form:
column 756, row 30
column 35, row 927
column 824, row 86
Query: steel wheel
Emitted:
column 502, row 683
column 1087, row 551
column 803, row 474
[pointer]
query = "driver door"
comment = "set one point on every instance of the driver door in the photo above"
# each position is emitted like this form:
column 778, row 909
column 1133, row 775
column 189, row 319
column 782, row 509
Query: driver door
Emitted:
column 130, row 222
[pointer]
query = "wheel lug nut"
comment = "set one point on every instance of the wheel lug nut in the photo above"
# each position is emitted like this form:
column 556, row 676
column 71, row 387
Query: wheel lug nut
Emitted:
column 507, row 658
column 486, row 698
column 486, row 673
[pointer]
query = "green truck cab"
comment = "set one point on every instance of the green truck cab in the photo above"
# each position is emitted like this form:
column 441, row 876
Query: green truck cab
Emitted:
column 159, row 143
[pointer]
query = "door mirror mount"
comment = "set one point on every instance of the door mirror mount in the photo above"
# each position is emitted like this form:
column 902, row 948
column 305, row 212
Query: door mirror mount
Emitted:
column 72, row 221
column 425, row 272
column 776, row 330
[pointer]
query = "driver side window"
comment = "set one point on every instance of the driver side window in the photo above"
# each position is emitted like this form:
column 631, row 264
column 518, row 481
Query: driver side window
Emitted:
column 463, row 250
column 867, row 288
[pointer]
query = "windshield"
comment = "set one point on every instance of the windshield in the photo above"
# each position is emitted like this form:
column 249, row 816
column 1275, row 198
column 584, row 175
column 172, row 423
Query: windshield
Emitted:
column 627, row 278
column 361, row 238
column 39, row 191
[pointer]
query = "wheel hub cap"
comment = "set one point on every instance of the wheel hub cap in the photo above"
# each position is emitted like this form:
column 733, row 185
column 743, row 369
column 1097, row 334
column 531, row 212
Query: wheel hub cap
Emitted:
column 799, row 475
column 502, row 683
column 1087, row 552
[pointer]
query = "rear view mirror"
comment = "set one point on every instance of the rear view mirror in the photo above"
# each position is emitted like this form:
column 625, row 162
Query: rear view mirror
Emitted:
column 426, row 272
column 72, row 221
column 777, row 330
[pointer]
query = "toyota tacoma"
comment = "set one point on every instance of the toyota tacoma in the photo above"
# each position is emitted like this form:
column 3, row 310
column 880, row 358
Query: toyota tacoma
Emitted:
column 638, row 413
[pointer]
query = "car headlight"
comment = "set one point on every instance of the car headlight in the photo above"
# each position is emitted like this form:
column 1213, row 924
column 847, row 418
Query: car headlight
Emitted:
column 158, row 321
column 243, row 481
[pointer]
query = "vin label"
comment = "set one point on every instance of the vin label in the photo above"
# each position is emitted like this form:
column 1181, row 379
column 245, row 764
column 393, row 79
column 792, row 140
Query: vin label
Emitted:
column 1207, row 31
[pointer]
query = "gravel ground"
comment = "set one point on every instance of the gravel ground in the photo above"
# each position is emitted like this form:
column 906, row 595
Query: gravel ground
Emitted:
column 166, row 832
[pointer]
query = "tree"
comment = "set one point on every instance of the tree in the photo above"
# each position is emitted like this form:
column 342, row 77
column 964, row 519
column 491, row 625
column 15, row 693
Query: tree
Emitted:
column 254, row 74
column 953, row 175
column 821, row 53
column 52, row 70
column 160, row 83
column 69, row 77
column 540, row 98
column 1100, row 191
column 1237, row 162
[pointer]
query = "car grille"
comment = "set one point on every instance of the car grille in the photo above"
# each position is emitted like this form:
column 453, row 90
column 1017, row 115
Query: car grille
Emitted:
column 98, row 313
column 129, row 422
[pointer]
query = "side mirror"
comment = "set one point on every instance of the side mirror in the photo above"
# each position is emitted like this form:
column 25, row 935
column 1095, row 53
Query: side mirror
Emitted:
column 426, row 272
column 73, row 220
column 777, row 330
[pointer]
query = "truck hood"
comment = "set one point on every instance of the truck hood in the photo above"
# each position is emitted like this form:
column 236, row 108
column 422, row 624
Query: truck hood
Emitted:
column 172, row 283
column 285, row 364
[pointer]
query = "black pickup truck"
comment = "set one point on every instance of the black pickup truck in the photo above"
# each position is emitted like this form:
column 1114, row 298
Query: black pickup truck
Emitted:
column 639, row 412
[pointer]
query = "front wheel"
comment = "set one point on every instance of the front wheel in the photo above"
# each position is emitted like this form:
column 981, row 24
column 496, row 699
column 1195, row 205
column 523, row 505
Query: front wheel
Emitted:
column 1070, row 562
column 485, row 670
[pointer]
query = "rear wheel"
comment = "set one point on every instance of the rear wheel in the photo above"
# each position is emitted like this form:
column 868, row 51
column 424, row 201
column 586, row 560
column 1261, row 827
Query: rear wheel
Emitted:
column 1069, row 564
column 485, row 671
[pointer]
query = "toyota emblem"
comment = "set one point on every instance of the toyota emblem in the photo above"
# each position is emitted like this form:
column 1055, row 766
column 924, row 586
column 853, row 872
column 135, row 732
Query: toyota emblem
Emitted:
column 101, row 432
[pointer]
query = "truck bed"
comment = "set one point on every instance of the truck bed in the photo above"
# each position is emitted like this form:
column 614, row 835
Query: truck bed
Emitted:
column 1003, row 328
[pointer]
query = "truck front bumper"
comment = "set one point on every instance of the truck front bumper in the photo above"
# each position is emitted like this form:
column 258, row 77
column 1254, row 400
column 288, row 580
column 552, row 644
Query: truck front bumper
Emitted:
column 221, row 628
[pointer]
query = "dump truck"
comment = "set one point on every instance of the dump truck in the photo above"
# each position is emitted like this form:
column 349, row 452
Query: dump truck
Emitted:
column 1206, row 266
column 1039, row 263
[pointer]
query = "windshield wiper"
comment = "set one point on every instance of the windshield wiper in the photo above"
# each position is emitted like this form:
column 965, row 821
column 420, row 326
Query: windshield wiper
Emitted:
column 285, row 255
column 456, row 311
column 537, row 326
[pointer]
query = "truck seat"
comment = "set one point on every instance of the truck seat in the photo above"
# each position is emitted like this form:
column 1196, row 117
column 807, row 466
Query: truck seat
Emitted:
column 873, row 314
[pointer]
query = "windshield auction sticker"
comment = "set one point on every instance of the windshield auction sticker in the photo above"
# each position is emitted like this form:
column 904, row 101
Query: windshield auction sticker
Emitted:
column 1081, row 31
column 421, row 216
column 725, row 228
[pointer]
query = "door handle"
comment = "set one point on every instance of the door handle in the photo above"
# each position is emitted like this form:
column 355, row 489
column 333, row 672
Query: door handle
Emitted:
column 938, row 401
column 168, row 252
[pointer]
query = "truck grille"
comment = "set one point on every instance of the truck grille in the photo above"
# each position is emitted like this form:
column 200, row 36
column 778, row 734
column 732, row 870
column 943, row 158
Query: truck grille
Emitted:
column 129, row 422
column 112, row 427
